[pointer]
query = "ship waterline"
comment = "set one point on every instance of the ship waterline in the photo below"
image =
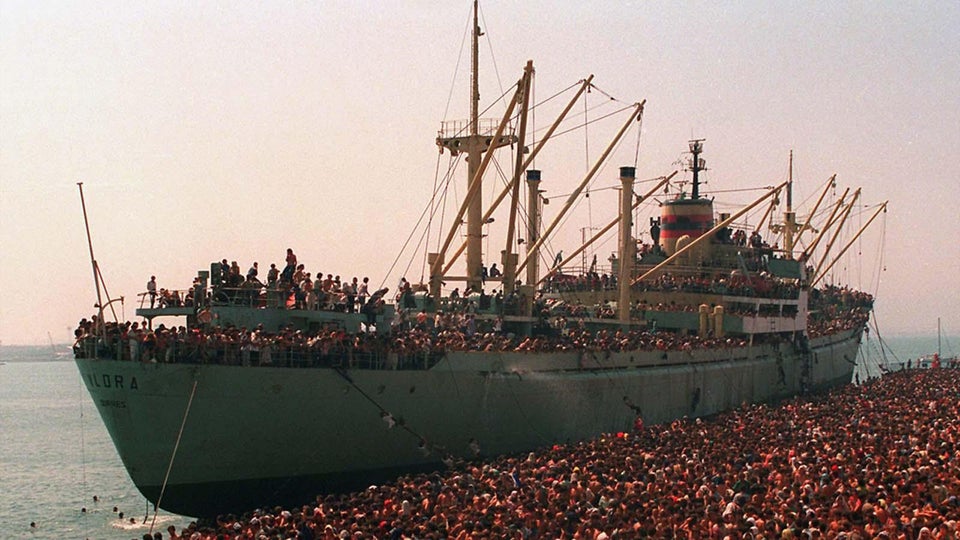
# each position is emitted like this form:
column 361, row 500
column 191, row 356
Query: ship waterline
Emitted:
column 256, row 436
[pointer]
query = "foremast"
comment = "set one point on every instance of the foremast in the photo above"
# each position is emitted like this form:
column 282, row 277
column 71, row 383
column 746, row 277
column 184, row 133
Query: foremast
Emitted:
column 473, row 142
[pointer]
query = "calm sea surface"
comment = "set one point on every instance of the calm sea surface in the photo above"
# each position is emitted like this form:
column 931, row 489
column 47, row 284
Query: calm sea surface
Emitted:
column 55, row 454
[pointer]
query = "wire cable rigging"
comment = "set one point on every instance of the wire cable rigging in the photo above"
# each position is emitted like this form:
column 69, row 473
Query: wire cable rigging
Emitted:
column 173, row 455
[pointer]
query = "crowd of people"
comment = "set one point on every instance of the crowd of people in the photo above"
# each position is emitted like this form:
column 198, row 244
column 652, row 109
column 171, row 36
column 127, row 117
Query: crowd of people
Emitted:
column 760, row 285
column 417, row 340
column 417, row 347
column 877, row 461
column 295, row 288
column 291, row 287
column 834, row 309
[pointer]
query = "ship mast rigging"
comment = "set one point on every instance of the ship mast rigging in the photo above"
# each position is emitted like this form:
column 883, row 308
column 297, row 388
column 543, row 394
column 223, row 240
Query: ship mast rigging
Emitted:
column 474, row 144
column 475, row 141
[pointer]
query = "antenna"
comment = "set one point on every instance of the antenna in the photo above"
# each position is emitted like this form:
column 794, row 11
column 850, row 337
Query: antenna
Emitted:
column 696, row 165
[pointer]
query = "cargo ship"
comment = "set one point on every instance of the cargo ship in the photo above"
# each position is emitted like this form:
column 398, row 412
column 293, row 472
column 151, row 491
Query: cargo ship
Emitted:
column 269, row 392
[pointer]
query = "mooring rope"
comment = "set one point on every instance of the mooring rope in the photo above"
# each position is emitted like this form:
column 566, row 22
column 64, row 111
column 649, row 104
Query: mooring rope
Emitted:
column 166, row 477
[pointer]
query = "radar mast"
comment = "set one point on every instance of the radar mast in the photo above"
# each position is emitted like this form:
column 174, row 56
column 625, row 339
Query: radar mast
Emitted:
column 696, row 165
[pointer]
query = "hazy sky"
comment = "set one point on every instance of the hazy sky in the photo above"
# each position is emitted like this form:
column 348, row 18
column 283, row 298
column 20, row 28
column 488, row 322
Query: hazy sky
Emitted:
column 209, row 130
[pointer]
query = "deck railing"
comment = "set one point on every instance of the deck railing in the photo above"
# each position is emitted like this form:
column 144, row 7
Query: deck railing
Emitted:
column 236, row 355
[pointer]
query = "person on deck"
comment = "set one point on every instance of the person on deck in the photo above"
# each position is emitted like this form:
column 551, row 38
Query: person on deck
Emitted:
column 288, row 270
column 152, row 290
column 363, row 292
column 273, row 275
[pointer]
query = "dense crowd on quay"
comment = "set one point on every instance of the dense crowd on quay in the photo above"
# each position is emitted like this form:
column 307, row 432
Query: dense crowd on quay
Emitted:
column 881, row 460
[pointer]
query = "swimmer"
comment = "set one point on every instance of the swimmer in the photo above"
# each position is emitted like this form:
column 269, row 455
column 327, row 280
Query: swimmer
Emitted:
column 83, row 510
column 120, row 515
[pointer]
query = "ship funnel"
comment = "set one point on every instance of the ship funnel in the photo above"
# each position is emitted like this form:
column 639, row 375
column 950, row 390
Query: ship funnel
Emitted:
column 687, row 217
column 533, row 224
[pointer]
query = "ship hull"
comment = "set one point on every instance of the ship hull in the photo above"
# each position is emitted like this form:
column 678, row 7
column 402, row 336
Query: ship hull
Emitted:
column 258, row 436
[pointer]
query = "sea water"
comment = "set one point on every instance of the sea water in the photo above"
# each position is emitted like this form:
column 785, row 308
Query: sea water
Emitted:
column 895, row 353
column 56, row 455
